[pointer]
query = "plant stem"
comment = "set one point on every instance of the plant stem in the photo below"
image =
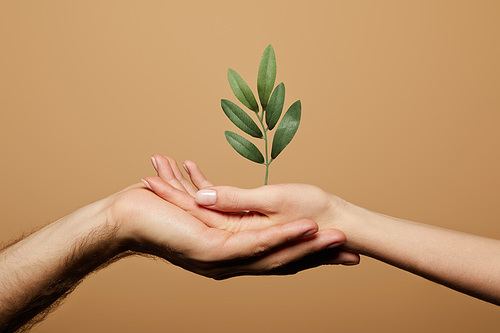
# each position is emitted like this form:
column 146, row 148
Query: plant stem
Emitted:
column 265, row 129
column 267, row 173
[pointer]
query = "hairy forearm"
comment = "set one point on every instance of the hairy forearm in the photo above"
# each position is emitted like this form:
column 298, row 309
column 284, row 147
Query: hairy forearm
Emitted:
column 40, row 269
column 465, row 262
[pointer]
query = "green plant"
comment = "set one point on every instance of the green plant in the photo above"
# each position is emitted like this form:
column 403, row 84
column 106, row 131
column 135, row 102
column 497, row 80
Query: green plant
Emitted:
column 271, row 101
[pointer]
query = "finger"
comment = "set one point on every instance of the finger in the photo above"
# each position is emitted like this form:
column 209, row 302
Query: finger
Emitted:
column 180, row 177
column 325, row 257
column 166, row 173
column 344, row 258
column 282, row 259
column 196, row 175
column 166, row 191
column 182, row 200
column 330, row 256
column 234, row 199
column 253, row 243
column 290, row 259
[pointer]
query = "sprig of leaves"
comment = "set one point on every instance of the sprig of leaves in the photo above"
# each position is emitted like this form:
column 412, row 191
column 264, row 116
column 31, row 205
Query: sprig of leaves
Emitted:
column 272, row 101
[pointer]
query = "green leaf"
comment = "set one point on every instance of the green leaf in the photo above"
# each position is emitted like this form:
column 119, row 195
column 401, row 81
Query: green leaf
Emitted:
column 241, row 90
column 240, row 118
column 275, row 106
column 267, row 75
column 286, row 129
column 244, row 147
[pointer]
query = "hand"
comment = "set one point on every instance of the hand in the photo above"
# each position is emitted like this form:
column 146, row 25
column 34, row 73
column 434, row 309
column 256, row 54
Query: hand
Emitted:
column 47, row 265
column 235, row 209
column 149, row 224
column 269, row 207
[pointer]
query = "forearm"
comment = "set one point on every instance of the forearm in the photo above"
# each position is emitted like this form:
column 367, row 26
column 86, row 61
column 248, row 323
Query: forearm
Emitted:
column 43, row 267
column 465, row 262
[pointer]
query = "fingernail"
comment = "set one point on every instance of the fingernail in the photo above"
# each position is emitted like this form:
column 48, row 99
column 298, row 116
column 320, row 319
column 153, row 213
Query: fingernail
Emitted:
column 185, row 168
column 206, row 197
column 147, row 184
column 333, row 245
column 153, row 160
column 309, row 233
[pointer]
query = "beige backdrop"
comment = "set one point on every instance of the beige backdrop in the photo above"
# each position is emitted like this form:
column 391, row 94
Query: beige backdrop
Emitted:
column 401, row 114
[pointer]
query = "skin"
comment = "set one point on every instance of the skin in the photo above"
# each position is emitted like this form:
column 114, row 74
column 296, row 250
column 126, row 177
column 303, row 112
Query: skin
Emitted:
column 467, row 263
column 38, row 271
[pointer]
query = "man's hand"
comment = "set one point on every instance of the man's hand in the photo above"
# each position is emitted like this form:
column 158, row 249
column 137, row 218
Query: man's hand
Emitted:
column 39, row 270
column 148, row 224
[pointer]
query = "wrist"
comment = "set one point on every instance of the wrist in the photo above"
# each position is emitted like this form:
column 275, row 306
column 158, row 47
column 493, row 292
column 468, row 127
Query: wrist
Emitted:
column 335, row 214
column 125, row 212
column 94, row 224
column 117, row 210
column 349, row 218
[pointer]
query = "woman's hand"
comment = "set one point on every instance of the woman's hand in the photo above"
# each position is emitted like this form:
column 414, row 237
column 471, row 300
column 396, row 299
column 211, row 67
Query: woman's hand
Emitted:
column 465, row 262
column 252, row 212
column 235, row 209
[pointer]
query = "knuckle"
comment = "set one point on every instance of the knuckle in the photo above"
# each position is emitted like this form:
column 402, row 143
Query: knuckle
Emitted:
column 232, row 200
column 274, row 203
column 277, row 264
column 260, row 249
column 338, row 235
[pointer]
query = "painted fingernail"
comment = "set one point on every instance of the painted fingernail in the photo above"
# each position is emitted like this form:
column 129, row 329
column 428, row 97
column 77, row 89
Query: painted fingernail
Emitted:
column 185, row 168
column 153, row 160
column 147, row 184
column 206, row 197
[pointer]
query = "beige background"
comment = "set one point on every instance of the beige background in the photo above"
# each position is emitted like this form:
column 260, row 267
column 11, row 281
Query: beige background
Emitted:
column 401, row 114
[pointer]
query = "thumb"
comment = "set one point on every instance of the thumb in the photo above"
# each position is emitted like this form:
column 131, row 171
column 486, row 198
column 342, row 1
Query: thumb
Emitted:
column 234, row 199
